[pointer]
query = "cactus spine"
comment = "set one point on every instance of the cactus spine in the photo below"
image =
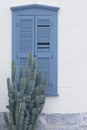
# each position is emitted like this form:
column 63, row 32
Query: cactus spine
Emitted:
column 26, row 97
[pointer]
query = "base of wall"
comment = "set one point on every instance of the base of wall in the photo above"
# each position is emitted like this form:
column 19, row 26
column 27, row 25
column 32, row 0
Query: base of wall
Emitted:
column 77, row 121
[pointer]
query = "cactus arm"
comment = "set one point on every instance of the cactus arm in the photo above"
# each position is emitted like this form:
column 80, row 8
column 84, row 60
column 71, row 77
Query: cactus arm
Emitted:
column 6, row 118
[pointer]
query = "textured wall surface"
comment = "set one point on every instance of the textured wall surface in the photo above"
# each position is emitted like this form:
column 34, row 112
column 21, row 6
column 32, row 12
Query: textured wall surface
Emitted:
column 72, row 54
column 57, row 122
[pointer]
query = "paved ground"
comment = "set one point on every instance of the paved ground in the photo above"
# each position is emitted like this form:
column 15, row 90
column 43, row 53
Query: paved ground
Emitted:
column 67, row 121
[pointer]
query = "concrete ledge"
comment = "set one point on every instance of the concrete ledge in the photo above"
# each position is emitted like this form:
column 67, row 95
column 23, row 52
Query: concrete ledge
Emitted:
column 76, row 121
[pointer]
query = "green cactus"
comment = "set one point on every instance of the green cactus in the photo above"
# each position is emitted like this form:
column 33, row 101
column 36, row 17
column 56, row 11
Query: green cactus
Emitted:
column 26, row 96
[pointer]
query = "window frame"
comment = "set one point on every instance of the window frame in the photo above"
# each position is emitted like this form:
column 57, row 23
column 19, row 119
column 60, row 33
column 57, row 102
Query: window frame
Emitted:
column 38, row 10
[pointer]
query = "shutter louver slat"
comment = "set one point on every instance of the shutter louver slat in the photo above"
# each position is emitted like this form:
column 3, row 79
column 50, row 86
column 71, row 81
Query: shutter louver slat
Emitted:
column 25, row 35
column 43, row 35
column 43, row 64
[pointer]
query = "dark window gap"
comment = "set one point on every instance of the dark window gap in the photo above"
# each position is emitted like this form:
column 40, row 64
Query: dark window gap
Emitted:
column 43, row 26
column 46, row 43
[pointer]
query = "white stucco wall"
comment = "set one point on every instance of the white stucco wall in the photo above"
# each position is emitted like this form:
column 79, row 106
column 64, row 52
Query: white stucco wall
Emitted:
column 72, row 54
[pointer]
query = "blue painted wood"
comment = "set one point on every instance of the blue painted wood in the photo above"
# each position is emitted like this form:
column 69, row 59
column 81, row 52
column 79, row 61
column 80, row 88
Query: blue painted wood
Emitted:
column 45, row 42
column 24, row 7
column 25, row 38
column 14, row 39
column 43, row 33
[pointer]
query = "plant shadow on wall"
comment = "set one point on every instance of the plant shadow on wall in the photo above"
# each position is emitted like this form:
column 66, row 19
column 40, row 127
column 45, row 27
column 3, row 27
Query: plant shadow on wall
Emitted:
column 26, row 98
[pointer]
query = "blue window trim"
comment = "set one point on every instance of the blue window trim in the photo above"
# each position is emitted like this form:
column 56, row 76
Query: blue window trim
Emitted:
column 24, row 7
column 45, row 10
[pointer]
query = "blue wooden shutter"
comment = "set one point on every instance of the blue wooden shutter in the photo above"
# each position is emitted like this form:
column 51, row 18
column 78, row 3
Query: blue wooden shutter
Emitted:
column 43, row 48
column 25, row 38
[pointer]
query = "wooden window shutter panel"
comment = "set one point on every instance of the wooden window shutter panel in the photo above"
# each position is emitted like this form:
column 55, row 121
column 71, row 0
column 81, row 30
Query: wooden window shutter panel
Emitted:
column 25, row 38
column 43, row 42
